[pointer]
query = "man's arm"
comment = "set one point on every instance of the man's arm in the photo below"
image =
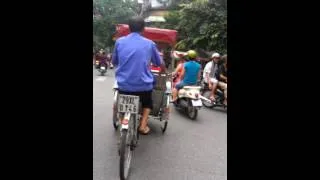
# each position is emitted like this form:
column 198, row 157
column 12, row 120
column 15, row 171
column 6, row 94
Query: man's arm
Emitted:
column 223, row 77
column 177, row 69
column 156, row 59
column 207, row 71
column 115, row 60
column 220, row 75
column 182, row 72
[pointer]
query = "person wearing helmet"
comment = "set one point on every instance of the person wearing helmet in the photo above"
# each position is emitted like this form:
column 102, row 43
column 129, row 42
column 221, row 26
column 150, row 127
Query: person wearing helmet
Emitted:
column 190, row 74
column 222, row 77
column 209, row 74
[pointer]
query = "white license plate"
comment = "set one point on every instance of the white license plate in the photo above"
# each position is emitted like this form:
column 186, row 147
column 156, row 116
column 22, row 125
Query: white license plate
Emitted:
column 128, row 103
column 103, row 68
column 196, row 102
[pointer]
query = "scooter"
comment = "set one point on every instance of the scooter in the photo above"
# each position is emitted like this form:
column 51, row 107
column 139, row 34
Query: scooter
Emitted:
column 103, row 69
column 189, row 99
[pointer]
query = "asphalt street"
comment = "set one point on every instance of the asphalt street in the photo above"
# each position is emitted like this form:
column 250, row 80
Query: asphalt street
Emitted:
column 188, row 150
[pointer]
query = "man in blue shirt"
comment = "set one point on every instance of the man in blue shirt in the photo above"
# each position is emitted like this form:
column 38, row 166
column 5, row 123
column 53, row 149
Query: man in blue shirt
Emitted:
column 131, row 56
column 189, row 75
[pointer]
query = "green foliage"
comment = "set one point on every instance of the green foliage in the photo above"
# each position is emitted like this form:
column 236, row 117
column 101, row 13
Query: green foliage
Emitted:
column 107, row 13
column 202, row 24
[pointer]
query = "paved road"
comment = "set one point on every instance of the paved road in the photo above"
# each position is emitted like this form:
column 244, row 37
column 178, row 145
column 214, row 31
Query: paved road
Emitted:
column 189, row 150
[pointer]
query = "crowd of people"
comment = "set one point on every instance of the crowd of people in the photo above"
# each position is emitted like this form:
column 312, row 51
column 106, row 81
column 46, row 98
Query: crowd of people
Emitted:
column 188, row 72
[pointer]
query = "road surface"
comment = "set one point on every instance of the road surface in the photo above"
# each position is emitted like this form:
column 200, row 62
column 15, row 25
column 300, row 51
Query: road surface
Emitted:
column 189, row 149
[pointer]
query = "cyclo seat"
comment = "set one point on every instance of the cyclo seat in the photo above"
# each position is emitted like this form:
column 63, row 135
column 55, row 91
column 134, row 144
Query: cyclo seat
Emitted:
column 158, row 92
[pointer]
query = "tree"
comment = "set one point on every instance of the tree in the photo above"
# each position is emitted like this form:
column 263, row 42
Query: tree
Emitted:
column 202, row 24
column 106, row 14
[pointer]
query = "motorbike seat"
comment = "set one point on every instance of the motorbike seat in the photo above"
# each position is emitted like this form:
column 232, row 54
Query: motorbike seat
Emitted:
column 192, row 87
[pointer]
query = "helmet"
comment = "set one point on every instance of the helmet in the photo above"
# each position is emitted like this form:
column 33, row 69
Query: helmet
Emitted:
column 192, row 54
column 215, row 55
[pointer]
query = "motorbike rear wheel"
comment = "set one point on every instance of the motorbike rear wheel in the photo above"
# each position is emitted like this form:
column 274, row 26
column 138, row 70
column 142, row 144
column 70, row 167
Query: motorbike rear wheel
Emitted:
column 206, row 94
column 192, row 112
column 164, row 127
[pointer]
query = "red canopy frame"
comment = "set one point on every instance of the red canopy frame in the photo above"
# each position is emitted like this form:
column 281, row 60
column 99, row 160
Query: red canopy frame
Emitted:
column 167, row 36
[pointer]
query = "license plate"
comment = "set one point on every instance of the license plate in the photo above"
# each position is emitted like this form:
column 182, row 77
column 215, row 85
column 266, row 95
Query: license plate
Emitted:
column 103, row 68
column 128, row 103
column 196, row 102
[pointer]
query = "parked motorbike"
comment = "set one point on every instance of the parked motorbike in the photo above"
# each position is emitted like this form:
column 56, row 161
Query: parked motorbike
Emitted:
column 189, row 100
column 219, row 96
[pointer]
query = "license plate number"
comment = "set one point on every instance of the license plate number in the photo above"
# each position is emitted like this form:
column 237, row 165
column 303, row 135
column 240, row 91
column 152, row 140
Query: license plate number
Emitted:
column 196, row 102
column 128, row 103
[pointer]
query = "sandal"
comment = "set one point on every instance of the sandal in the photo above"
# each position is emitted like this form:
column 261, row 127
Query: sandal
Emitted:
column 144, row 131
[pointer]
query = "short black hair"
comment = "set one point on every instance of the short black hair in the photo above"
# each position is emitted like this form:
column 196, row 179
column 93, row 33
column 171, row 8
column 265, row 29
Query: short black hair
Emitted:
column 136, row 24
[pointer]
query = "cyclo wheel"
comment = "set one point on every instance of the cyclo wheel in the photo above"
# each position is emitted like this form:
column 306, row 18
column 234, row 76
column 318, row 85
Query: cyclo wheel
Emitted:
column 115, row 120
column 125, row 154
column 164, row 127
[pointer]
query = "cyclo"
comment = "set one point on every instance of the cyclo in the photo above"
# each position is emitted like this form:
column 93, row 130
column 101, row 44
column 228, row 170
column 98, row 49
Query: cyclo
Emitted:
column 127, row 109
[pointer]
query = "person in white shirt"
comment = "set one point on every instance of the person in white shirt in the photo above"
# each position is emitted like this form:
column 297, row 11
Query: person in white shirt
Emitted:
column 209, row 74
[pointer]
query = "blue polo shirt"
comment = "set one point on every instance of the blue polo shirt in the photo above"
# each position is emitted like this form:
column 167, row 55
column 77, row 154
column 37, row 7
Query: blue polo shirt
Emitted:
column 132, row 55
column 192, row 69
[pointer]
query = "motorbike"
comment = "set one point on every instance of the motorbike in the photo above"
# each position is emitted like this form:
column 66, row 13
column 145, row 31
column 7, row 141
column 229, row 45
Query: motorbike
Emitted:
column 219, row 96
column 103, row 69
column 189, row 99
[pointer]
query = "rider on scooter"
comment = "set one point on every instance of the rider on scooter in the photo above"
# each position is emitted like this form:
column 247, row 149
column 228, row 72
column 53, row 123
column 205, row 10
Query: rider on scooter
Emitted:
column 101, row 57
column 190, row 74
column 222, row 77
column 209, row 74
column 177, row 73
column 104, row 59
